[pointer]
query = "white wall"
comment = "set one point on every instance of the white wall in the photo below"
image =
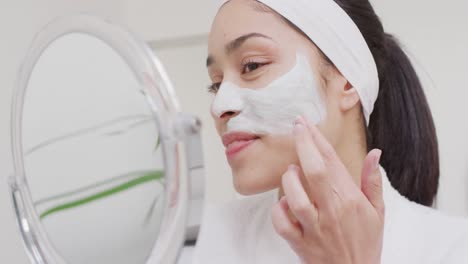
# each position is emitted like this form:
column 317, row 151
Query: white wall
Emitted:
column 162, row 19
column 433, row 31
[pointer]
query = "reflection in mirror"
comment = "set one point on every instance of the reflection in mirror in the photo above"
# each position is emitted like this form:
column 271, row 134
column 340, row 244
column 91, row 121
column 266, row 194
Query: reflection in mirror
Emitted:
column 91, row 154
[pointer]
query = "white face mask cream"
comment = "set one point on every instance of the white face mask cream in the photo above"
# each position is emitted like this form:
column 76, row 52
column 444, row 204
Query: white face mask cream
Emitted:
column 272, row 109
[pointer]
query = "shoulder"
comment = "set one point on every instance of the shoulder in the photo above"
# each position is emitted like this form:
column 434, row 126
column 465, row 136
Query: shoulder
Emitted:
column 457, row 252
column 425, row 235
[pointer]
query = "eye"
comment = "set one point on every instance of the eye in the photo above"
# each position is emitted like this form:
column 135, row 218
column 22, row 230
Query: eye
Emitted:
column 251, row 66
column 213, row 88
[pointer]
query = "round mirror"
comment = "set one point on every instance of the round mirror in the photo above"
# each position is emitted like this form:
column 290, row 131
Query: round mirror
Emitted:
column 98, row 147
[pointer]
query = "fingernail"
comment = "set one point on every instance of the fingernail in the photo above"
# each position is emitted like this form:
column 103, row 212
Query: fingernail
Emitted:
column 377, row 159
column 299, row 119
column 292, row 167
column 298, row 126
column 283, row 199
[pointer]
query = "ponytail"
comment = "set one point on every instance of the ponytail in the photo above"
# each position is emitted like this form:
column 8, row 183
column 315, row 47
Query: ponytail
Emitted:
column 402, row 126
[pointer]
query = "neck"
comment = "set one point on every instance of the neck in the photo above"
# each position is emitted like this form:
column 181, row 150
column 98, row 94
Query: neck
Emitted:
column 352, row 154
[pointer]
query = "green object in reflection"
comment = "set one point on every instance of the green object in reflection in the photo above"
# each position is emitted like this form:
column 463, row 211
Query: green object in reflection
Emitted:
column 152, row 176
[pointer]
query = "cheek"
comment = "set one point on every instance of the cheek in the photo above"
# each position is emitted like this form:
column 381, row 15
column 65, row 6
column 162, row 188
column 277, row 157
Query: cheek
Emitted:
column 265, row 164
column 333, row 121
column 274, row 108
column 278, row 144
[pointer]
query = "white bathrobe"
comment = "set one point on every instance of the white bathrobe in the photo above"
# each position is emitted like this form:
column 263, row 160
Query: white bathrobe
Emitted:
column 241, row 232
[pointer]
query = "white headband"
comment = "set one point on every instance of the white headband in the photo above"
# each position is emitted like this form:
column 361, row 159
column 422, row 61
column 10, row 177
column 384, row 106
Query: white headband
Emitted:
column 338, row 37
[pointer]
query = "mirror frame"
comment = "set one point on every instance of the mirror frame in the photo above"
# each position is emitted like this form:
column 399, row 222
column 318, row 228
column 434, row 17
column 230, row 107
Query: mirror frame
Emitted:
column 179, row 134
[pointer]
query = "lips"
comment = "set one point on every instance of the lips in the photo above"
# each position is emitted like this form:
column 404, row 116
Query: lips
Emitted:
column 237, row 141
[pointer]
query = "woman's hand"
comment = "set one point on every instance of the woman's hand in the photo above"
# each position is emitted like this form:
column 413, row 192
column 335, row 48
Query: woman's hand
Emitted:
column 324, row 215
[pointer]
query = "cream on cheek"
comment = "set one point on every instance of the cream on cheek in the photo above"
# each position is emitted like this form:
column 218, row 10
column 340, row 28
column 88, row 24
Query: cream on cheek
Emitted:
column 272, row 109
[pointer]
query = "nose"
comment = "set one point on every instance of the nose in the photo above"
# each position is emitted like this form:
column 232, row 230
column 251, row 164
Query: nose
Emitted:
column 228, row 102
column 229, row 114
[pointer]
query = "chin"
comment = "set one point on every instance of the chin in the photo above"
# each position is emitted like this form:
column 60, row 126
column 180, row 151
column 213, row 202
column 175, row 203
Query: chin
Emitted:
column 259, row 168
column 253, row 182
column 247, row 189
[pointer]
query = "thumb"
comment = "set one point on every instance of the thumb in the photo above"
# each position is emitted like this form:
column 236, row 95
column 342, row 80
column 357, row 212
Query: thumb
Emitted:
column 371, row 181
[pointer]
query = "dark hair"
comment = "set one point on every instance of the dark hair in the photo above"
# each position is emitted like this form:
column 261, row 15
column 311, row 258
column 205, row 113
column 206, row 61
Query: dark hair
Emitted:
column 401, row 124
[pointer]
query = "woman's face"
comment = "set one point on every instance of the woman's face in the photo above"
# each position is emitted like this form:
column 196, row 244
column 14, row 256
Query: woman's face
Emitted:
column 249, row 47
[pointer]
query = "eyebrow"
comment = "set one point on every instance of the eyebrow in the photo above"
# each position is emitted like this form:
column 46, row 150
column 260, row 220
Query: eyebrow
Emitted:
column 236, row 44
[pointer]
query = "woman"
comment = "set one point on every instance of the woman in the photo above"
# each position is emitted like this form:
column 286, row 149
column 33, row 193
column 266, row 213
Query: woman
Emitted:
column 302, row 90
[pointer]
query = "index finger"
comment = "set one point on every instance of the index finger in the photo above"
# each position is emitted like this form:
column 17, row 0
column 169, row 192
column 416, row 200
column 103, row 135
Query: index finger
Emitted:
column 339, row 176
column 313, row 167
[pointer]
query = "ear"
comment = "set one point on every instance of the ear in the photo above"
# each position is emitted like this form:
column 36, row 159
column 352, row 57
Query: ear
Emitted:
column 345, row 95
column 348, row 97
